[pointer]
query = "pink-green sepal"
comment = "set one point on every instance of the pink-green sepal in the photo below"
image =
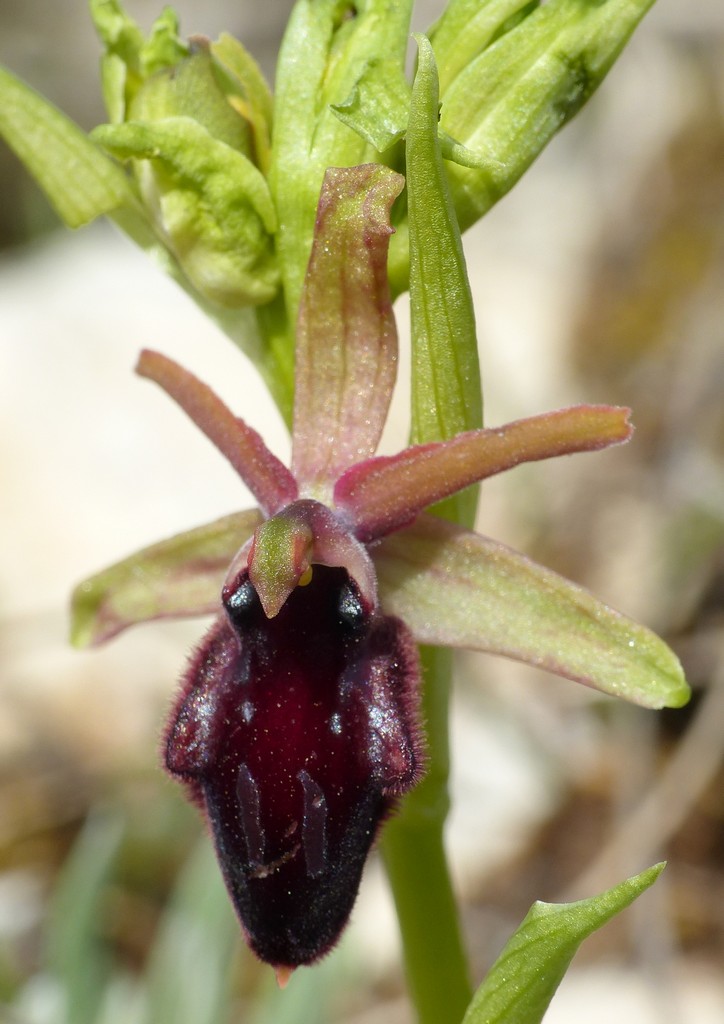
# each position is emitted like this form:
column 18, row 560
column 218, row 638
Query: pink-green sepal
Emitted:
column 181, row 576
column 346, row 356
column 456, row 588
column 385, row 493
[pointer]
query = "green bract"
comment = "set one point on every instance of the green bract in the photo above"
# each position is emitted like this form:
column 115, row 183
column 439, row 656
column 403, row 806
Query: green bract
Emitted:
column 212, row 205
column 522, row 80
column 524, row 978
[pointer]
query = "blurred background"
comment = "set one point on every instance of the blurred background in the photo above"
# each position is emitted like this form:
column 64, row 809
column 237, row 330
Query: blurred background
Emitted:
column 598, row 278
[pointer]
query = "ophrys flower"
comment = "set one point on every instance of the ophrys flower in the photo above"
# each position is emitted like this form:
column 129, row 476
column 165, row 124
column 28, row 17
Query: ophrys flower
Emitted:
column 297, row 726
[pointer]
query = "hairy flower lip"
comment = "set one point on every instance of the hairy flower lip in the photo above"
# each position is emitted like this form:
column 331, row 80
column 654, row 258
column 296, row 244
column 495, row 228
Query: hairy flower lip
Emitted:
column 296, row 734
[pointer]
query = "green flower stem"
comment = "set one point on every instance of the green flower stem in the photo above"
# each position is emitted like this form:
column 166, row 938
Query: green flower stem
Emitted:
column 414, row 854
column 446, row 399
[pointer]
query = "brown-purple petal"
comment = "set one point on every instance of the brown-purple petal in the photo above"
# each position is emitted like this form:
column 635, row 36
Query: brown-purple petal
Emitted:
column 385, row 493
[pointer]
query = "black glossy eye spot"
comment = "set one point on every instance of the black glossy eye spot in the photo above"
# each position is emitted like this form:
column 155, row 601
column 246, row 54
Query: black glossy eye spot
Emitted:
column 240, row 602
column 350, row 607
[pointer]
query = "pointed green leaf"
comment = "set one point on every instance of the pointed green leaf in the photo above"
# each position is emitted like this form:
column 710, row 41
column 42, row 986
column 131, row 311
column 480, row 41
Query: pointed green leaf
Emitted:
column 507, row 103
column 163, row 48
column 118, row 32
column 446, row 392
column 346, row 335
column 121, row 63
column 524, row 979
column 181, row 576
column 80, row 181
column 456, row 588
column 383, row 494
column 130, row 58
column 446, row 399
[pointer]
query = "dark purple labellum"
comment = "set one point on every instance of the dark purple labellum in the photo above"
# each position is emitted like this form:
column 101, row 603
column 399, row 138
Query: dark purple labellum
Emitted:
column 295, row 734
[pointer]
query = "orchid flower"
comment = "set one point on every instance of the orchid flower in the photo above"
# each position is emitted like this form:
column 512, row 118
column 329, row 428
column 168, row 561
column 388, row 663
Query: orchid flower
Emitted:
column 297, row 727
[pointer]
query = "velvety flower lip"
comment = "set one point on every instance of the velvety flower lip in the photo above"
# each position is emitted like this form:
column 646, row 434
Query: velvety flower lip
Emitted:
column 297, row 726
column 295, row 734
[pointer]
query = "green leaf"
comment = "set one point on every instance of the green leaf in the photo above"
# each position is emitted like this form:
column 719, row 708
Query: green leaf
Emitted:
column 446, row 399
column 120, row 64
column 130, row 58
column 509, row 101
column 524, row 979
column 163, row 48
column 118, row 32
column 188, row 973
column 179, row 576
column 456, row 588
column 446, row 392
column 191, row 89
column 76, row 953
column 80, row 181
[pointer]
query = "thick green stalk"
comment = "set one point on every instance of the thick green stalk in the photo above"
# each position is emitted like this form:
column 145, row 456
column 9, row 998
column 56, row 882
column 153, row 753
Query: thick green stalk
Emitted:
column 414, row 853
column 446, row 399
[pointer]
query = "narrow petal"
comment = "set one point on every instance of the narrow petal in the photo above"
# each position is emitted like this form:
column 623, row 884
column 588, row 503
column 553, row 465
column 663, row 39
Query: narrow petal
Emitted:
column 386, row 493
column 179, row 576
column 346, row 336
column 456, row 588
column 267, row 478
